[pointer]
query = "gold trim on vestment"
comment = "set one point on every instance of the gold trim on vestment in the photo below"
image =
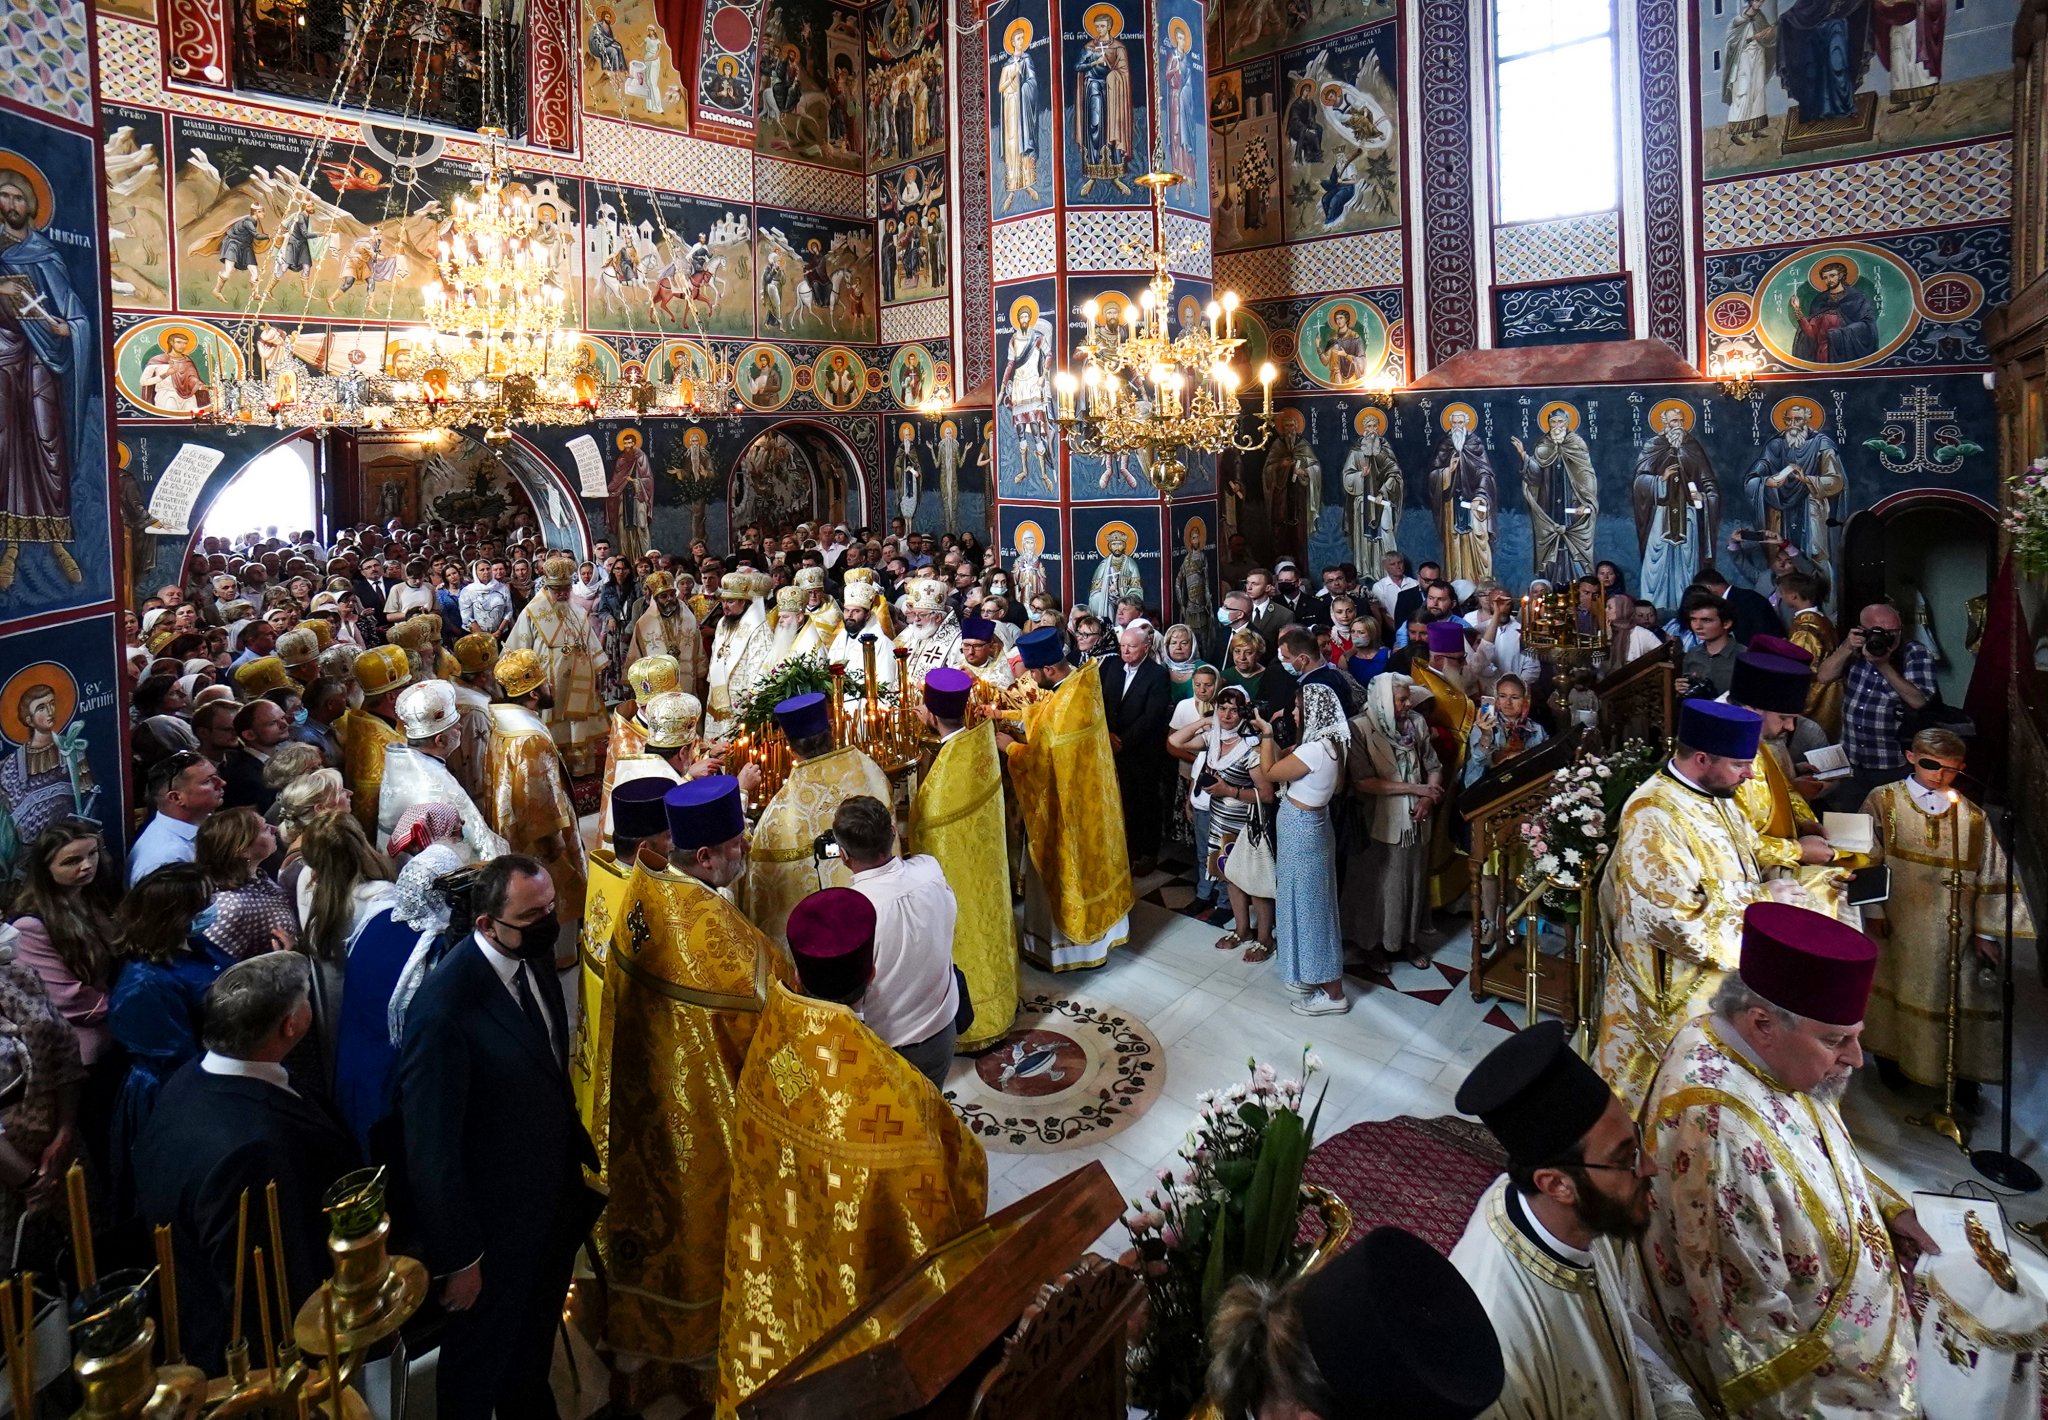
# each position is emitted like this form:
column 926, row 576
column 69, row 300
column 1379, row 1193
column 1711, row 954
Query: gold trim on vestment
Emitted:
column 2020, row 1342
column 1531, row 1258
column 690, row 995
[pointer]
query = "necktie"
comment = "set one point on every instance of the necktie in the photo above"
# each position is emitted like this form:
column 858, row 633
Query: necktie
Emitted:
column 529, row 1006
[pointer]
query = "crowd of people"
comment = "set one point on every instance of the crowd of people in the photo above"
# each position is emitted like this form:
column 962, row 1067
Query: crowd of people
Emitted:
column 355, row 915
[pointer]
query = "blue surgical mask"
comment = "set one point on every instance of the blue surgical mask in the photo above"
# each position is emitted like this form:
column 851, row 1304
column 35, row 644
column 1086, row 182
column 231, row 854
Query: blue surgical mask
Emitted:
column 299, row 716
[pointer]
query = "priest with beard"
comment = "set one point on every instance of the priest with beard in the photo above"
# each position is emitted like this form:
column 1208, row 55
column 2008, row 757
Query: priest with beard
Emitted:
column 933, row 634
column 741, row 650
column 526, row 788
column 572, row 652
column 669, row 628
column 858, row 623
column 1550, row 1251
column 786, row 866
column 1677, row 503
column 820, row 614
column 1772, row 1251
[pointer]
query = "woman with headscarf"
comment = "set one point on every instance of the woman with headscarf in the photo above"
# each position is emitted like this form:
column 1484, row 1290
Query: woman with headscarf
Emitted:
column 1186, row 732
column 1237, row 813
column 1305, row 850
column 1396, row 768
column 1177, row 653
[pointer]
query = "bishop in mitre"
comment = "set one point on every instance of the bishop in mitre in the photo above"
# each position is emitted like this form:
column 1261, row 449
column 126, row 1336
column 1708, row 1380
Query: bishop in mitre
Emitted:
column 957, row 818
column 639, row 822
column 820, row 615
column 1077, row 878
column 1551, row 1250
column 1771, row 1250
column 848, row 1165
column 884, row 619
column 647, row 677
column 1685, row 865
column 786, row 619
column 669, row 628
column 741, row 650
column 367, row 730
column 526, row 787
column 685, row 985
column 1790, row 842
column 572, row 653
column 785, row 867
column 861, row 623
column 474, row 656
column 416, row 771
column 933, row 631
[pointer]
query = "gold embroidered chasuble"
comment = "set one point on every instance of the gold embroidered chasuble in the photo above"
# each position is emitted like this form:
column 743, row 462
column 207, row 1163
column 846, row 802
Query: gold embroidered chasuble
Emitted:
column 678, row 636
column 1449, row 711
column 848, row 1166
column 1576, row 1337
column 364, row 738
column 818, row 632
column 1769, row 1265
column 1685, row 865
column 570, row 647
column 740, row 656
column 528, row 802
column 1781, row 816
column 782, row 869
column 685, row 981
column 1078, row 891
column 591, row 1056
column 1813, row 633
column 1908, row 1015
column 957, row 817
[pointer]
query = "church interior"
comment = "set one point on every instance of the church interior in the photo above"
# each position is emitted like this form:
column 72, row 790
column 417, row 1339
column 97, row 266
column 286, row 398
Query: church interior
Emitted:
column 1605, row 316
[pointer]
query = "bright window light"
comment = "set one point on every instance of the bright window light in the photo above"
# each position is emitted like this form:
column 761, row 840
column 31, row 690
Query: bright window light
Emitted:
column 274, row 491
column 1554, row 102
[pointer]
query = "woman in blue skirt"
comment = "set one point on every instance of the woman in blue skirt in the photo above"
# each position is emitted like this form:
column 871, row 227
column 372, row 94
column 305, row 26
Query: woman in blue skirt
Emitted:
column 1311, row 946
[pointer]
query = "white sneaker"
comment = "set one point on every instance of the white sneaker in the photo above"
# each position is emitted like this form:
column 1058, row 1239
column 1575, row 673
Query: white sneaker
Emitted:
column 1320, row 1004
column 1302, row 988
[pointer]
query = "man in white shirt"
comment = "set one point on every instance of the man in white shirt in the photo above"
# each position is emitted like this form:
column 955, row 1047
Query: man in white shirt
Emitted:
column 1393, row 581
column 185, row 788
column 914, row 998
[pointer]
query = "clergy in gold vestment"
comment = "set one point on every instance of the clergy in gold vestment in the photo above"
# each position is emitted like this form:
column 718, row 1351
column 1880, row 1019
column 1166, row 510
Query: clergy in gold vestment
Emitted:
column 648, row 676
column 1801, row 593
column 1790, row 843
column 367, row 730
column 1077, row 876
column 1770, row 1252
column 669, row 628
column 684, row 988
column 783, row 867
column 526, row 788
column 848, row 1165
column 1672, row 895
column 1451, row 714
column 642, row 821
column 1928, row 838
column 741, row 651
column 957, row 817
column 573, row 654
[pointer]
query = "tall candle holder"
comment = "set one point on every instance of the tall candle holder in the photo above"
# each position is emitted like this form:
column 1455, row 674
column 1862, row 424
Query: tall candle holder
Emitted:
column 112, row 1342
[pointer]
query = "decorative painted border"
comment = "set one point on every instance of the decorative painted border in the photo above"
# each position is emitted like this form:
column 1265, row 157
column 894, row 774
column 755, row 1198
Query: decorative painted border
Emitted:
column 1027, row 247
column 1667, row 264
column 1444, row 107
column 810, row 188
column 1942, row 187
column 973, row 265
column 1346, row 263
column 920, row 320
column 1586, row 245
column 49, row 57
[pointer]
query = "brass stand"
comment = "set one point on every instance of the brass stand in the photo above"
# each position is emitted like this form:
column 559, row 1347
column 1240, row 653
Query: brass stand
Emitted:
column 1944, row 1121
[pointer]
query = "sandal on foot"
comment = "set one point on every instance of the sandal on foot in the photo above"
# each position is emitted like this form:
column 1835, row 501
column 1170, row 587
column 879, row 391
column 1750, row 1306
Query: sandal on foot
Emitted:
column 1229, row 942
column 1259, row 951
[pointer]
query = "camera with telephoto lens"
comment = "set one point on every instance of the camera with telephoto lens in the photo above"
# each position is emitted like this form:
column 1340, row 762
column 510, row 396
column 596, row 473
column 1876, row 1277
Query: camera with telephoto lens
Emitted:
column 1879, row 640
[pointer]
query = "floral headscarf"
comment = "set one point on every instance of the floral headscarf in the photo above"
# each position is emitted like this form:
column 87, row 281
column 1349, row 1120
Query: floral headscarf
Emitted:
column 1394, row 731
column 1322, row 716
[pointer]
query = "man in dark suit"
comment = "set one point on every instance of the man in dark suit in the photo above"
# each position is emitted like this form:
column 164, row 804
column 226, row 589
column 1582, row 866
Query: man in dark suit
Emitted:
column 1269, row 612
column 1754, row 614
column 373, row 587
column 493, row 1148
column 261, row 727
column 1137, row 701
column 1412, row 599
column 234, row 1120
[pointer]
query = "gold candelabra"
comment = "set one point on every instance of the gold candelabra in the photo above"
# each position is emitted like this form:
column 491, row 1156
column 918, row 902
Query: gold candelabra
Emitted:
column 1146, row 392
column 893, row 735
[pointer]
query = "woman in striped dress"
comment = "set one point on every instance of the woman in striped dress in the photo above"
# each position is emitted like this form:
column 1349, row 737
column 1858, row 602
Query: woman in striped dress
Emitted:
column 1233, row 798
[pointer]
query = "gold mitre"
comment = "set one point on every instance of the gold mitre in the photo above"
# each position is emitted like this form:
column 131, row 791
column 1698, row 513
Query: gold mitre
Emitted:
column 651, row 675
column 475, row 652
column 558, row 571
column 520, row 673
column 671, row 718
column 659, row 583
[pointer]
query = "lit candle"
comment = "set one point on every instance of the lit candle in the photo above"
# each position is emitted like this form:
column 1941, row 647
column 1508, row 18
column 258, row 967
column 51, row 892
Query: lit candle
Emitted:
column 1065, row 384
column 1266, row 376
column 1091, row 309
column 1229, row 313
column 1215, row 314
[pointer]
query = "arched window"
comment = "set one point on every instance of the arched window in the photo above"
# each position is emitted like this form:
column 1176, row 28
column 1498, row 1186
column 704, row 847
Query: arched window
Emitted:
column 1555, row 146
column 272, row 495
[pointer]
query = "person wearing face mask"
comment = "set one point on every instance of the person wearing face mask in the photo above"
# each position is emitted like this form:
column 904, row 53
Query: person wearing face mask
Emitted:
column 494, row 1151
column 690, row 988
column 1685, row 866
column 526, row 792
column 417, row 772
column 1779, row 1300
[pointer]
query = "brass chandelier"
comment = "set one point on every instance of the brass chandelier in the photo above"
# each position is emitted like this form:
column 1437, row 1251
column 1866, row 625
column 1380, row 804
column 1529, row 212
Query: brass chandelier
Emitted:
column 1145, row 392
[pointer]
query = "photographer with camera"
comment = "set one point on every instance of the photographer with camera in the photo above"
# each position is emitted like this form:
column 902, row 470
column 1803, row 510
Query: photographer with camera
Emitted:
column 1887, row 676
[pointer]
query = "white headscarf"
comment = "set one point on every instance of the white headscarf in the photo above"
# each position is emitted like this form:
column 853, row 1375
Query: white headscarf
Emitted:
column 416, row 903
column 1322, row 718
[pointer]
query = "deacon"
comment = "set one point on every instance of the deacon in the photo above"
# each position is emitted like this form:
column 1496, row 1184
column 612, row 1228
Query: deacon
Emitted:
column 648, row 676
column 740, row 650
column 684, row 988
column 639, row 820
column 788, row 865
column 1684, row 867
column 957, row 818
column 1550, row 1250
column 1789, row 838
column 474, row 655
column 847, row 1164
column 1944, row 859
column 669, row 628
column 1770, row 1253
column 1077, row 877
column 416, row 772
column 526, row 790
column 572, row 654
column 367, row 730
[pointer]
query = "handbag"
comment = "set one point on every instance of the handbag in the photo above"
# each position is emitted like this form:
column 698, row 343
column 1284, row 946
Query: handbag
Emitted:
column 1248, row 863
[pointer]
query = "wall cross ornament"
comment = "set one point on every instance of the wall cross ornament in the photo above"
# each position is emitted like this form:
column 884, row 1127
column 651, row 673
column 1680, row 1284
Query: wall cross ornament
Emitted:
column 1921, row 436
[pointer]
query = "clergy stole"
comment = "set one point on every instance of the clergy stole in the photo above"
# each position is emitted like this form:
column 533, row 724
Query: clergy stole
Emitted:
column 527, row 798
column 590, row 1056
column 847, row 1167
column 684, row 984
column 364, row 738
column 1768, row 1261
column 1683, row 870
column 563, row 637
column 627, row 737
column 1450, row 715
column 1567, row 1333
column 957, row 818
column 1781, row 818
column 1908, row 1016
column 782, row 867
column 1073, row 815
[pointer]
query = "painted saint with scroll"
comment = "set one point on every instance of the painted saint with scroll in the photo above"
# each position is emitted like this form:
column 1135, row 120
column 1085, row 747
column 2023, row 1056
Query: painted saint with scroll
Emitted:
column 1375, row 489
column 1677, row 501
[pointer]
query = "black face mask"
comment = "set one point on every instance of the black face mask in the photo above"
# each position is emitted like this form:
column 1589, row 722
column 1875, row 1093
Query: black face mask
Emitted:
column 536, row 940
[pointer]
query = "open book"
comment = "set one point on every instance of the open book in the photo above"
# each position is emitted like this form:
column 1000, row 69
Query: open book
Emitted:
column 1829, row 762
column 1850, row 833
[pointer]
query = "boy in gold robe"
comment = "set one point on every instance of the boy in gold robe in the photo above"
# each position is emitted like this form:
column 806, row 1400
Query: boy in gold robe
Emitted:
column 1789, row 838
column 847, row 1164
column 526, row 787
column 1925, row 833
column 784, row 867
column 1801, row 593
column 684, row 987
column 573, row 654
column 367, row 730
column 957, row 817
column 1077, row 879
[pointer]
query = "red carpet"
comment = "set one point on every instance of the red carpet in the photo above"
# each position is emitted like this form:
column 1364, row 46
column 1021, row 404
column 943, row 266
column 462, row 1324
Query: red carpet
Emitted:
column 1424, row 1175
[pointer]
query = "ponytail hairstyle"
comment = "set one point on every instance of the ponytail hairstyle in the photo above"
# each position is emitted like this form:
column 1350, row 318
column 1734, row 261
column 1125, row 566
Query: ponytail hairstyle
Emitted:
column 1260, row 1366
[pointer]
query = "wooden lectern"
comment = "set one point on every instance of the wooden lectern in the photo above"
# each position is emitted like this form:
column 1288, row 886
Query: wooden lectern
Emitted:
column 1006, row 1322
column 1640, row 701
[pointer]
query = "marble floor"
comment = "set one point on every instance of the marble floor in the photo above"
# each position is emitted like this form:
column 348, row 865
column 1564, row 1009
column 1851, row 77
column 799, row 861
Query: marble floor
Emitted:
column 1399, row 1053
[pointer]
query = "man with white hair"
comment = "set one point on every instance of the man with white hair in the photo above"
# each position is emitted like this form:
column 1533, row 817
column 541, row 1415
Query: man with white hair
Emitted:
column 1771, row 1251
column 932, row 633
column 417, row 772
column 669, row 628
column 563, row 637
column 821, row 615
